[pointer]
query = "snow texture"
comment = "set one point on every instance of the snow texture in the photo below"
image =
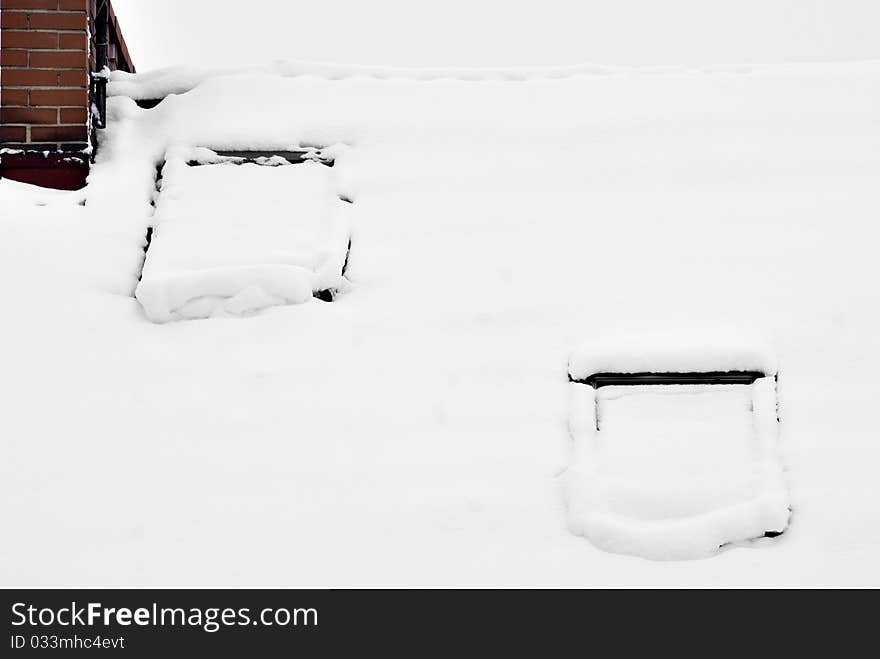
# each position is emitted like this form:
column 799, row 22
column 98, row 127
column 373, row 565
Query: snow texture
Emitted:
column 414, row 431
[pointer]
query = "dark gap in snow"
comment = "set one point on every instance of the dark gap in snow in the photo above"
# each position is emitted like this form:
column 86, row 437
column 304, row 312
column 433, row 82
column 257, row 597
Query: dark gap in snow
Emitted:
column 347, row 200
column 329, row 295
column 767, row 534
column 774, row 533
column 148, row 238
column 598, row 380
column 149, row 103
column 347, row 255
column 776, row 382
column 264, row 157
column 770, row 535
column 248, row 156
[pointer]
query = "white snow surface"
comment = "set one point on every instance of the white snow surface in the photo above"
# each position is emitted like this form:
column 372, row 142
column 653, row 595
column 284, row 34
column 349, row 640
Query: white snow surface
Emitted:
column 415, row 430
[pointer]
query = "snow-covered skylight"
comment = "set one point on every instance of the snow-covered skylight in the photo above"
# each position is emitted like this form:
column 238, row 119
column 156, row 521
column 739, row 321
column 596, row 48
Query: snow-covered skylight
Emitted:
column 237, row 232
column 675, row 464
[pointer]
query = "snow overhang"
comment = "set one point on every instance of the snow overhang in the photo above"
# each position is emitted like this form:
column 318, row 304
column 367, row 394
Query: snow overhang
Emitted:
column 738, row 357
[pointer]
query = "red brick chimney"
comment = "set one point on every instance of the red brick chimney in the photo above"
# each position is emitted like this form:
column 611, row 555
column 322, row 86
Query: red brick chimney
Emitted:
column 46, row 90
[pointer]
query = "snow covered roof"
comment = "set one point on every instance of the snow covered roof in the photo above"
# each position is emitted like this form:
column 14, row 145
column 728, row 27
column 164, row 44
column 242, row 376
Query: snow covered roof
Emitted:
column 496, row 226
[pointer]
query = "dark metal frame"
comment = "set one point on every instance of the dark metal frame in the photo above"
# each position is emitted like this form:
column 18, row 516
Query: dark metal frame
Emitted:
column 253, row 157
column 598, row 380
column 102, row 42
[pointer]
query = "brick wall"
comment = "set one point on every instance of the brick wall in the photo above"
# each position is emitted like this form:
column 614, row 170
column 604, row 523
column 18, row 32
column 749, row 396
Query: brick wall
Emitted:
column 46, row 90
column 44, row 75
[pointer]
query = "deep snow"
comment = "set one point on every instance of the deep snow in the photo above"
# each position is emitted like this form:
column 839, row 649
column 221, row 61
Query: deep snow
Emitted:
column 414, row 431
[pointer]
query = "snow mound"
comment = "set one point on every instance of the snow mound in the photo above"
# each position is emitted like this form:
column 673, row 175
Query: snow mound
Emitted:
column 674, row 472
column 232, row 238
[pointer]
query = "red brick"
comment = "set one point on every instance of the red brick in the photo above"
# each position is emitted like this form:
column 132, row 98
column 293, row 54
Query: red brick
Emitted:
column 13, row 57
column 64, row 171
column 58, row 133
column 13, row 133
column 14, row 19
column 30, row 116
column 79, row 5
column 73, row 116
column 58, row 21
column 28, row 78
column 72, row 41
column 73, row 78
column 58, row 60
column 29, row 4
column 59, row 97
column 13, row 97
column 20, row 39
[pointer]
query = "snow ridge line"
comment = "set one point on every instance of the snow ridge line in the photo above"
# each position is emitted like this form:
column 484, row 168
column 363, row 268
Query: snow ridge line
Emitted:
column 178, row 80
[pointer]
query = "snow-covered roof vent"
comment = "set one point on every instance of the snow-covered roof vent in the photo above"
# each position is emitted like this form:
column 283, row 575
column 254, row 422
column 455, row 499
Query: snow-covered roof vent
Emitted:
column 676, row 447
